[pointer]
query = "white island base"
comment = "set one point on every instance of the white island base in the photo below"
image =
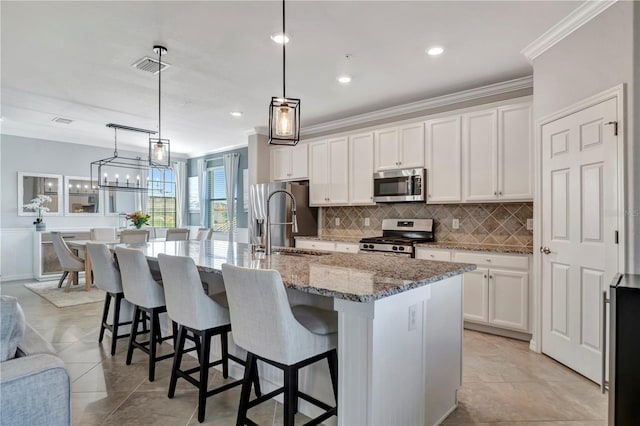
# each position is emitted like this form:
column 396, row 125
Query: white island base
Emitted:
column 400, row 357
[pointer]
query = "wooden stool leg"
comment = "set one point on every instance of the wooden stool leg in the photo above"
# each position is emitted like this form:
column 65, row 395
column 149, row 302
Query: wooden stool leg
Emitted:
column 204, row 375
column 290, row 395
column 64, row 275
column 153, row 340
column 134, row 333
column 105, row 314
column 177, row 360
column 246, row 390
column 332, row 358
column 115, row 323
column 225, row 354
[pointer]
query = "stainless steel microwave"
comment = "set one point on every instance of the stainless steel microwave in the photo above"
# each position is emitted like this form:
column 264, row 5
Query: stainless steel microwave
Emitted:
column 395, row 186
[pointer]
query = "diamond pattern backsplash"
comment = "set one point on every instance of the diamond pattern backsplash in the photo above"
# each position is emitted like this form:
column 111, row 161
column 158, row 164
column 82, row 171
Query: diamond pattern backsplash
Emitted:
column 502, row 223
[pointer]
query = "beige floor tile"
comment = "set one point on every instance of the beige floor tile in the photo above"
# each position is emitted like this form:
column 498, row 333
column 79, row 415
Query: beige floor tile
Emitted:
column 154, row 408
column 91, row 408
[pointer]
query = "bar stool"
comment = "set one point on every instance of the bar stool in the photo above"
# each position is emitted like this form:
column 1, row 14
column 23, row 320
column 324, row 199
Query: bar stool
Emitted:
column 103, row 234
column 204, row 234
column 134, row 236
column 289, row 338
column 206, row 317
column 141, row 290
column 177, row 234
column 107, row 278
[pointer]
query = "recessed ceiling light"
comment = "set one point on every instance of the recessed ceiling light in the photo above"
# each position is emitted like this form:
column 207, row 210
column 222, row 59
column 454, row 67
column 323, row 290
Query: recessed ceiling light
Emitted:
column 435, row 51
column 344, row 79
column 279, row 38
column 236, row 113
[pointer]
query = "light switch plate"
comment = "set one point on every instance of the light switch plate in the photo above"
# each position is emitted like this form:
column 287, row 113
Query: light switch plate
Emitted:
column 529, row 224
column 367, row 222
column 337, row 221
column 455, row 223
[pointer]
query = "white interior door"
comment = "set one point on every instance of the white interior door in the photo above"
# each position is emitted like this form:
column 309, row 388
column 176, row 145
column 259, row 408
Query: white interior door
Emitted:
column 579, row 221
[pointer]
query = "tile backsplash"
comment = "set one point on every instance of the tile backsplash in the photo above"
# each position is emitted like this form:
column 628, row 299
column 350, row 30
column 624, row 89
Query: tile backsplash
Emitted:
column 499, row 223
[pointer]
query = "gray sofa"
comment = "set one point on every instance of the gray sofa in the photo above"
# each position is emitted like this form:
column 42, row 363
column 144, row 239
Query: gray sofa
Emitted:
column 35, row 388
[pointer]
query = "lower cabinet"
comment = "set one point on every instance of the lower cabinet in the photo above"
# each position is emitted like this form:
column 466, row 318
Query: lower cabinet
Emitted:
column 476, row 295
column 342, row 247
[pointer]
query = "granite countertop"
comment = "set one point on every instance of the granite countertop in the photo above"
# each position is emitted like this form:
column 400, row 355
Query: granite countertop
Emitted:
column 496, row 248
column 355, row 277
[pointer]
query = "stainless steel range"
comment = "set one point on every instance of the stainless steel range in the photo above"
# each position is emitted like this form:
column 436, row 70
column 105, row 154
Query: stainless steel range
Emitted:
column 400, row 235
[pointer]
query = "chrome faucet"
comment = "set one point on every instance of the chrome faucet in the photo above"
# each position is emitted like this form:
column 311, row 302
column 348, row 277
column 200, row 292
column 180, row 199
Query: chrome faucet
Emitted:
column 293, row 223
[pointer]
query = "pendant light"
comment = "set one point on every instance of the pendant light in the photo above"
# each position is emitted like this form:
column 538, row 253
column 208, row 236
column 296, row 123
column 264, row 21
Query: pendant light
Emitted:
column 159, row 152
column 119, row 173
column 284, row 113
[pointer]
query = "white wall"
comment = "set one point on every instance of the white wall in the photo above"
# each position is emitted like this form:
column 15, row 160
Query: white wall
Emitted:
column 596, row 57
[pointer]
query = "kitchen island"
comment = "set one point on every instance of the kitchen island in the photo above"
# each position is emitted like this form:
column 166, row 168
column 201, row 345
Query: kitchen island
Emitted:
column 399, row 330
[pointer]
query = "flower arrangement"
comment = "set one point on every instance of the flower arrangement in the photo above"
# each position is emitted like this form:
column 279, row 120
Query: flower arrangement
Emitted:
column 138, row 218
column 37, row 205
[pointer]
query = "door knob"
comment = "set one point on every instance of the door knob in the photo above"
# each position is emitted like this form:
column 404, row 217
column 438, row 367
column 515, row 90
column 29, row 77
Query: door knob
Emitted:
column 545, row 250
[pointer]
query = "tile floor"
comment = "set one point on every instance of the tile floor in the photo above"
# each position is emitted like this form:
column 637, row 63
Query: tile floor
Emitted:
column 504, row 383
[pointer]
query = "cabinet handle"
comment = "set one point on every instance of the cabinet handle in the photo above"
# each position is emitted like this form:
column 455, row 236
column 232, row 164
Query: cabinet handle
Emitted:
column 500, row 193
column 489, row 260
column 431, row 255
column 495, row 193
column 490, row 277
column 485, row 276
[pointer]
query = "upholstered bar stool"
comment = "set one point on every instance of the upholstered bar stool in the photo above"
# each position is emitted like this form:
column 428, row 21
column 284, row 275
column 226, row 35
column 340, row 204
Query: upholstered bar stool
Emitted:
column 107, row 278
column 69, row 261
column 177, row 234
column 103, row 234
column 204, row 316
column 133, row 236
column 204, row 234
column 286, row 337
column 141, row 290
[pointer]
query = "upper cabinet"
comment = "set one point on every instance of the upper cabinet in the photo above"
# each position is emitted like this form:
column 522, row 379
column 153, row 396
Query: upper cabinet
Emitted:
column 443, row 159
column 399, row 147
column 329, row 172
column 361, row 169
column 289, row 163
column 498, row 154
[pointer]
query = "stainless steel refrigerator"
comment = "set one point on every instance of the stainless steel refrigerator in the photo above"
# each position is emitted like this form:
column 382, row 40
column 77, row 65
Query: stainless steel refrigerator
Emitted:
column 280, row 209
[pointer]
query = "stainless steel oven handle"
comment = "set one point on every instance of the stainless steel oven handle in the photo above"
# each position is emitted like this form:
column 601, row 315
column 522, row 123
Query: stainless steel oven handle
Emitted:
column 604, row 385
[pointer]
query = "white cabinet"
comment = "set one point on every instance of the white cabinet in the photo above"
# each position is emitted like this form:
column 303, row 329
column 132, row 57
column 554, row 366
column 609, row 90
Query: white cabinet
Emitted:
column 443, row 159
column 498, row 154
column 361, row 169
column 341, row 247
column 509, row 299
column 289, row 163
column 400, row 147
column 329, row 172
column 433, row 254
column 476, row 295
column 515, row 153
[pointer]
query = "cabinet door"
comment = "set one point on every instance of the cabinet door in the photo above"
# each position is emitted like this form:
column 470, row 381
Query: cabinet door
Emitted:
column 299, row 162
column 443, row 160
column 411, row 146
column 338, row 191
column 515, row 153
column 476, row 305
column 280, row 163
column 480, row 144
column 509, row 299
column 361, row 169
column 386, row 145
column 318, row 173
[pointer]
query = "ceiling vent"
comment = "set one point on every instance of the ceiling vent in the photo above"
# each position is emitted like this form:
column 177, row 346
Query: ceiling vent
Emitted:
column 148, row 64
column 62, row 120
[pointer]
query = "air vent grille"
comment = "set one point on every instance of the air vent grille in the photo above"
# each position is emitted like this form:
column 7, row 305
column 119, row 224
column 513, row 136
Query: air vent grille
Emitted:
column 62, row 120
column 148, row 64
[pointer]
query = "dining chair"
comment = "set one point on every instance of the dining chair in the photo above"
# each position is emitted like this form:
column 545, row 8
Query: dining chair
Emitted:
column 286, row 337
column 132, row 236
column 107, row 278
column 204, row 234
column 103, row 234
column 177, row 234
column 68, row 260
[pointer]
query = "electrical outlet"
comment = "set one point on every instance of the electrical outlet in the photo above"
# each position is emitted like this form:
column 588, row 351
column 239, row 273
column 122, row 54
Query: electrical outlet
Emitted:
column 455, row 223
column 367, row 222
column 337, row 221
column 413, row 317
column 529, row 224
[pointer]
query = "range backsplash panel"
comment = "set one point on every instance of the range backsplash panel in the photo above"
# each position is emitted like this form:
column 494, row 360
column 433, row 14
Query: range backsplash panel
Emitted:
column 499, row 223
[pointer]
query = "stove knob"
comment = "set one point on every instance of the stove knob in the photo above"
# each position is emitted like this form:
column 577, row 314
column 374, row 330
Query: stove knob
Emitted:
column 395, row 248
column 401, row 248
column 371, row 246
column 368, row 246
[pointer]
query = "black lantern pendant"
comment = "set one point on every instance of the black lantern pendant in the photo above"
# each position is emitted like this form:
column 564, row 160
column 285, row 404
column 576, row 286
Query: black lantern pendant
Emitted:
column 284, row 113
column 159, row 152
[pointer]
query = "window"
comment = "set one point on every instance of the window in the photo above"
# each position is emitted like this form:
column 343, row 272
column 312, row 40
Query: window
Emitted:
column 161, row 205
column 218, row 215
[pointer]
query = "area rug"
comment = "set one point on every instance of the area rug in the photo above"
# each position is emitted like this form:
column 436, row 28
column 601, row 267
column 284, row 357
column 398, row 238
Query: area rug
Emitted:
column 76, row 296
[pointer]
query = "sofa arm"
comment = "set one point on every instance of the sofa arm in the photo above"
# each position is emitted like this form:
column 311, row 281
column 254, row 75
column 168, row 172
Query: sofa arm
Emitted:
column 35, row 390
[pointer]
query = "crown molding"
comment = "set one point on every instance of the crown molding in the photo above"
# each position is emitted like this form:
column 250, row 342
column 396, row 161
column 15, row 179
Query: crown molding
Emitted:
column 567, row 25
column 217, row 151
column 259, row 130
column 450, row 99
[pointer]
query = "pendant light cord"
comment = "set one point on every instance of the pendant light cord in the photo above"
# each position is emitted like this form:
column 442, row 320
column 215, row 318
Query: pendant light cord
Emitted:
column 159, row 93
column 284, row 49
column 115, row 141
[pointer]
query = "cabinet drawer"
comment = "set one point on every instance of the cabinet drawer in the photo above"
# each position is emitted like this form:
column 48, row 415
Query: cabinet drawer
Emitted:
column 492, row 260
column 433, row 254
column 347, row 247
column 316, row 245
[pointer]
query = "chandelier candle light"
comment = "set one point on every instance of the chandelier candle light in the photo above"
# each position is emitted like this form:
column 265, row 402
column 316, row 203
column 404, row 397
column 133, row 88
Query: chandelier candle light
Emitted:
column 159, row 154
column 284, row 113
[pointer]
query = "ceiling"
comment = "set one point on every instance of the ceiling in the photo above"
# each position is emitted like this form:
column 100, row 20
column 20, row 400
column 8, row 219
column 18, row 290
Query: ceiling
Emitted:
column 73, row 60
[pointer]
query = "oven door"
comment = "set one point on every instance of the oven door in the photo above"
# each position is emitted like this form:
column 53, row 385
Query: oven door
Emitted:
column 398, row 186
